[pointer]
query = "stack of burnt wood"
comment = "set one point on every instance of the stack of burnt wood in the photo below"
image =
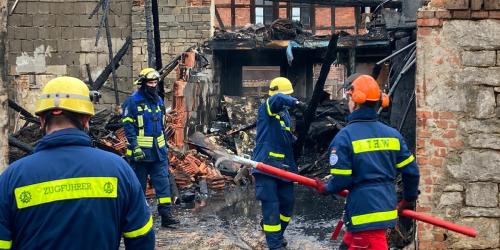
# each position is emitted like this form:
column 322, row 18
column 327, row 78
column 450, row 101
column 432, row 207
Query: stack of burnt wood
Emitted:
column 280, row 29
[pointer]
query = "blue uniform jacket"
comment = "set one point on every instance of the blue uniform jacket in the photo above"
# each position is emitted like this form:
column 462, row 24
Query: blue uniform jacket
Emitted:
column 274, row 140
column 365, row 158
column 68, row 195
column 143, row 121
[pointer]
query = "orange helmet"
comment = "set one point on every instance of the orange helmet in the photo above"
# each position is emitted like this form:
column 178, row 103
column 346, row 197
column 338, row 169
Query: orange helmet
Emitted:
column 364, row 88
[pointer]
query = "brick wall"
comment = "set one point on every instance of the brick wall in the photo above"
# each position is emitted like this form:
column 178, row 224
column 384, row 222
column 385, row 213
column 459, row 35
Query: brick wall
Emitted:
column 49, row 38
column 344, row 16
column 458, row 125
column 182, row 25
column 4, row 147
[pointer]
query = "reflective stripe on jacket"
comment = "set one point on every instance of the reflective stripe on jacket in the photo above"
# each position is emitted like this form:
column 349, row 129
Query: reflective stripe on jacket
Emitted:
column 274, row 139
column 68, row 195
column 365, row 158
column 144, row 122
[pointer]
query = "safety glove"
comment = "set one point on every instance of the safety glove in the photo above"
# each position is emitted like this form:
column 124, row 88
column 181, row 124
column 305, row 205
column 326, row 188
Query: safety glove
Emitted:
column 320, row 187
column 404, row 204
column 138, row 154
column 302, row 106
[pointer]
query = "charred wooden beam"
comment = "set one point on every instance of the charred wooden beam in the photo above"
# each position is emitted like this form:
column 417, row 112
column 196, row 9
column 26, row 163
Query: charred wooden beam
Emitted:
column 96, row 8
column 149, row 33
column 105, row 9
column 157, row 42
column 329, row 58
column 27, row 115
column 247, row 127
column 89, row 75
column 104, row 18
column 233, row 15
column 219, row 19
column 114, row 64
column 14, row 142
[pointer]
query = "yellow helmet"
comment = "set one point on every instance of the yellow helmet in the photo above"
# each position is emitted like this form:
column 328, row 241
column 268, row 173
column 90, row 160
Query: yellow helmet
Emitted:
column 147, row 74
column 280, row 85
column 66, row 93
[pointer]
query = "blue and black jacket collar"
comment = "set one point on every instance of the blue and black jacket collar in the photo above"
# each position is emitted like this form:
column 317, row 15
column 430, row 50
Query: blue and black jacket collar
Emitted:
column 64, row 137
column 363, row 114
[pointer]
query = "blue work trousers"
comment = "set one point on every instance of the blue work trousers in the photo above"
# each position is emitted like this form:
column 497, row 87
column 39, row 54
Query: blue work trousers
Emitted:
column 158, row 172
column 277, row 198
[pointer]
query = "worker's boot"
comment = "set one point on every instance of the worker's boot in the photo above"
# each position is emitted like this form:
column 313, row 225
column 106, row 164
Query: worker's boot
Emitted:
column 167, row 220
column 284, row 242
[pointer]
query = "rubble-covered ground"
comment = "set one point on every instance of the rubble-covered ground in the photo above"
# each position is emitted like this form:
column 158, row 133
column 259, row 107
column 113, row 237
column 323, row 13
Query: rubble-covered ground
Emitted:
column 230, row 220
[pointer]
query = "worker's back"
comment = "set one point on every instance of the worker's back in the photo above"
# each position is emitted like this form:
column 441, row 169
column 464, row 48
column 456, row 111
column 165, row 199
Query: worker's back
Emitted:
column 68, row 195
column 365, row 157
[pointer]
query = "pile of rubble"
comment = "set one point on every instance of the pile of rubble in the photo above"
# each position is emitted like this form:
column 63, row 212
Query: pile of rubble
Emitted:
column 190, row 167
column 280, row 29
column 194, row 169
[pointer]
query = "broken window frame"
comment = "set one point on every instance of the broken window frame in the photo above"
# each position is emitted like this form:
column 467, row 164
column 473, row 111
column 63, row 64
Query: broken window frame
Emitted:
column 267, row 8
column 257, row 76
column 306, row 11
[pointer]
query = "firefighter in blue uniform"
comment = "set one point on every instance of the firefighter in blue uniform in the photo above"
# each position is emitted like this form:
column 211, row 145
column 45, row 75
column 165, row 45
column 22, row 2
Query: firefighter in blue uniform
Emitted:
column 68, row 195
column 365, row 158
column 144, row 123
column 274, row 147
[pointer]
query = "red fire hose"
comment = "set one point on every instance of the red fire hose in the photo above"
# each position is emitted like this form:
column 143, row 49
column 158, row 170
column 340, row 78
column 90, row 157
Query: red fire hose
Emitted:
column 471, row 232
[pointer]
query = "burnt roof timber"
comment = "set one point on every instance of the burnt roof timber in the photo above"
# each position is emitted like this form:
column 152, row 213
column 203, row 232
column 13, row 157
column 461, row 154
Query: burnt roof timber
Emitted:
column 349, row 3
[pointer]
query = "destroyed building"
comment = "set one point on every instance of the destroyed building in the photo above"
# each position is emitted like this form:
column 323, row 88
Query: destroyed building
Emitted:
column 443, row 79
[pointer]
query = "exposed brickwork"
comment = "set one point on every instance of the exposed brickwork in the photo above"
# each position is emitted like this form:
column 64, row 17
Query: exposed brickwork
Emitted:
column 50, row 38
column 344, row 16
column 479, row 14
column 323, row 17
column 182, row 25
column 456, row 4
column 461, row 14
column 476, row 4
column 430, row 22
column 457, row 120
column 459, row 9
column 426, row 14
column 491, row 4
column 196, row 3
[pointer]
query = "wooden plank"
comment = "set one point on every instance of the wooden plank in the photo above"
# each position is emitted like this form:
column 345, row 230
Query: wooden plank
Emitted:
column 233, row 15
column 312, row 16
column 333, row 19
column 276, row 10
column 219, row 19
column 252, row 11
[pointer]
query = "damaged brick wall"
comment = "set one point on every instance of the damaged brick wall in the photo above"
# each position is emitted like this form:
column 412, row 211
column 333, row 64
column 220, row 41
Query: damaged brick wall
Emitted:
column 182, row 25
column 49, row 38
column 458, row 125
column 4, row 147
column 344, row 16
